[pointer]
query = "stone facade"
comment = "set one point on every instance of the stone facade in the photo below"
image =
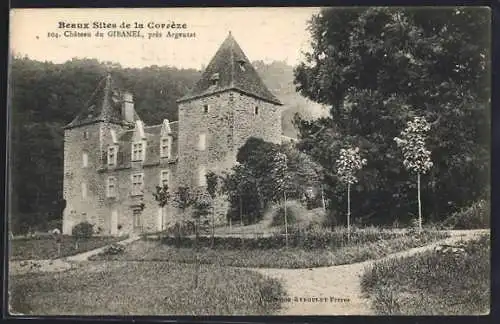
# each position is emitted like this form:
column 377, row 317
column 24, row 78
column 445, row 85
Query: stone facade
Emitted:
column 227, row 106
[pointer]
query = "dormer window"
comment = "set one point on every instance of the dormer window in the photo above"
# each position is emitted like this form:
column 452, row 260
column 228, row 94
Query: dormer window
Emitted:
column 241, row 63
column 206, row 108
column 214, row 79
column 112, row 154
column 256, row 110
column 166, row 147
column 138, row 151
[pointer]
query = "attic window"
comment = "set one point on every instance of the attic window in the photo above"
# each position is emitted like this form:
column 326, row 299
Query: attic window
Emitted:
column 241, row 63
column 256, row 110
column 214, row 79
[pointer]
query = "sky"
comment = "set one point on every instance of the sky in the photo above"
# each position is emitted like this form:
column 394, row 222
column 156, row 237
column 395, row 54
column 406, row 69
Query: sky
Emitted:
column 266, row 34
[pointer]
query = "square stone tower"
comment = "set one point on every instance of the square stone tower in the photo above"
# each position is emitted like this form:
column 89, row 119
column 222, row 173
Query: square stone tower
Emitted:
column 228, row 105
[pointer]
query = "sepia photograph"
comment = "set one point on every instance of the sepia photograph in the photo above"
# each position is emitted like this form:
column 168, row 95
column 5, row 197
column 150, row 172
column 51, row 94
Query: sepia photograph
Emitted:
column 249, row 161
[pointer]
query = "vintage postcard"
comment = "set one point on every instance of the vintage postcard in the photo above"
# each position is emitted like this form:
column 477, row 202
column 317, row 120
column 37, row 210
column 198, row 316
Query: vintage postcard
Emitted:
column 249, row 161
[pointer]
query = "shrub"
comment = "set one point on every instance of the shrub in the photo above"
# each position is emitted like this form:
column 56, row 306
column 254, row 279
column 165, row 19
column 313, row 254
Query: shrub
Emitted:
column 433, row 282
column 314, row 237
column 113, row 249
column 473, row 217
column 83, row 230
column 297, row 214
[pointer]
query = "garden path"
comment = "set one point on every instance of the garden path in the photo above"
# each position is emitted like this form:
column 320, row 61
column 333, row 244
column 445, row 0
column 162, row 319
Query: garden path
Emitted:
column 335, row 284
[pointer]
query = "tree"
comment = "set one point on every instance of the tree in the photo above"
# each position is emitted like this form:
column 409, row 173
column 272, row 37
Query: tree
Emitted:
column 416, row 156
column 376, row 68
column 212, row 189
column 348, row 164
column 183, row 199
column 162, row 197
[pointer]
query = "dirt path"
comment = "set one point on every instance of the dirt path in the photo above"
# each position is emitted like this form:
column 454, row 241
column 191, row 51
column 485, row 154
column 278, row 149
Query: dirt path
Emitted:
column 337, row 288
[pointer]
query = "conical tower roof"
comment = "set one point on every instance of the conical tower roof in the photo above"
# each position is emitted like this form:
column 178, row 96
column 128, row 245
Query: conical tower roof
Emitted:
column 230, row 69
column 104, row 105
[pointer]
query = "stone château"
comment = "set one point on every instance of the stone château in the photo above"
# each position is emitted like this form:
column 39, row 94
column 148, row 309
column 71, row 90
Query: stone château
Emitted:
column 113, row 161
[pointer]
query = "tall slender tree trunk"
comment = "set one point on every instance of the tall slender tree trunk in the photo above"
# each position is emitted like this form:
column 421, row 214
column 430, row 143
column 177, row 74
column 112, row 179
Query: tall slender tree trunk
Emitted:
column 419, row 203
column 286, row 220
column 323, row 199
column 213, row 226
column 241, row 211
column 348, row 211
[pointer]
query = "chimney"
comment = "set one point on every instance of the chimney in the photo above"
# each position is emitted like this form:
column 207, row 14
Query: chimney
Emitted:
column 128, row 107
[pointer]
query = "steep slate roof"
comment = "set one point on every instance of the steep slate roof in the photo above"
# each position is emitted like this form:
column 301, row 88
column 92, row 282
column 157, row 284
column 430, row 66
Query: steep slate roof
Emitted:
column 104, row 106
column 226, row 66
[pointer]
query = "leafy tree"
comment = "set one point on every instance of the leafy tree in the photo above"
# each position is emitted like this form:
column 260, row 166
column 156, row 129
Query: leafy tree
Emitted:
column 378, row 67
column 162, row 196
column 212, row 189
column 416, row 156
column 183, row 199
column 348, row 164
column 82, row 231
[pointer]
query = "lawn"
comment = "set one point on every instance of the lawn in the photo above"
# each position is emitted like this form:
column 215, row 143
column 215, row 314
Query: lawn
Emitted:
column 252, row 254
column 433, row 283
column 45, row 247
column 146, row 288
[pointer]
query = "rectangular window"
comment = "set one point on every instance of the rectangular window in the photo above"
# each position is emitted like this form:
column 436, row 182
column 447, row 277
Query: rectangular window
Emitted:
column 84, row 190
column 137, row 219
column 165, row 147
column 138, row 151
column 164, row 178
column 85, row 135
column 206, row 108
column 112, row 150
column 202, row 142
column 202, row 179
column 111, row 187
column 137, row 184
column 85, row 160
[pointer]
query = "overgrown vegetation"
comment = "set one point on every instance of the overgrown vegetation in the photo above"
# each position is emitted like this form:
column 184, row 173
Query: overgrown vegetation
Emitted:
column 40, row 248
column 146, row 288
column 319, row 249
column 379, row 67
column 433, row 283
column 475, row 216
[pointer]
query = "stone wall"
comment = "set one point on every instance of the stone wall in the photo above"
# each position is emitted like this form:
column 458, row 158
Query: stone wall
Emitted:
column 231, row 120
column 80, row 209
column 97, row 208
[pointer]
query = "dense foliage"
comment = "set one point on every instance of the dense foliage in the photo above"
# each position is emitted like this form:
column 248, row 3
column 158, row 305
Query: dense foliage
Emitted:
column 265, row 171
column 475, row 216
column 377, row 68
column 83, row 230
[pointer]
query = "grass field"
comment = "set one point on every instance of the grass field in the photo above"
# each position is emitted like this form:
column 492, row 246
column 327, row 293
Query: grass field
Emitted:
column 146, row 288
column 274, row 258
column 46, row 247
column 433, row 283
